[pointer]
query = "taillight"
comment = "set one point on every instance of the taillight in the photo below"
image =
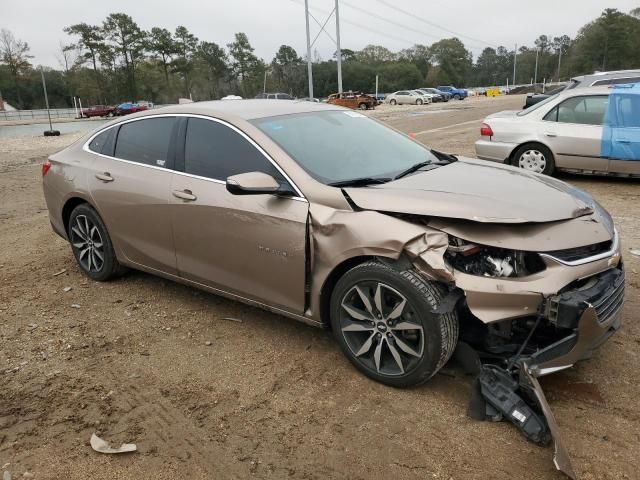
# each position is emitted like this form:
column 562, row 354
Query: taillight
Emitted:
column 485, row 130
column 45, row 167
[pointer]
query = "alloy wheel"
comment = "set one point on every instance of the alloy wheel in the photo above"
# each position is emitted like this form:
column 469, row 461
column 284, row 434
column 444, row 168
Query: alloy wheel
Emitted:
column 88, row 244
column 533, row 160
column 381, row 329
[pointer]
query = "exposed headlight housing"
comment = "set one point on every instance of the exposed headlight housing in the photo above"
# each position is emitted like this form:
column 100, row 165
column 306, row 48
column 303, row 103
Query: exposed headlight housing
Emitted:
column 489, row 261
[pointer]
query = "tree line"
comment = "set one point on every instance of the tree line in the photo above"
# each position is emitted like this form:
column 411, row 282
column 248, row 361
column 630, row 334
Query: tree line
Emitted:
column 118, row 61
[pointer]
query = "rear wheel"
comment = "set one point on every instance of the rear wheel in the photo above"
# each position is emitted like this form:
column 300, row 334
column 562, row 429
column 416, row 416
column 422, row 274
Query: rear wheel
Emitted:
column 534, row 158
column 362, row 106
column 456, row 97
column 91, row 244
column 393, row 101
column 384, row 322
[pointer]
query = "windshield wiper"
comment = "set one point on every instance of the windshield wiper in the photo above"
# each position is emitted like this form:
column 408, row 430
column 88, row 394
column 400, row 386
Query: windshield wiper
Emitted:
column 412, row 168
column 359, row 182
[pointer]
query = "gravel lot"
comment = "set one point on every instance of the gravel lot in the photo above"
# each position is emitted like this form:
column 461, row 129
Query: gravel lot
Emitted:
column 147, row 361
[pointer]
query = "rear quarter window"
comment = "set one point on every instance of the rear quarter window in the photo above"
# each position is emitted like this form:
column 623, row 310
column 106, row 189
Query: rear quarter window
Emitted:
column 103, row 142
column 145, row 141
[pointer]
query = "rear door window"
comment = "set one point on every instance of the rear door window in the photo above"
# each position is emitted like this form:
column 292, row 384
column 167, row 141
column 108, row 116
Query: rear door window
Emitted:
column 214, row 150
column 146, row 141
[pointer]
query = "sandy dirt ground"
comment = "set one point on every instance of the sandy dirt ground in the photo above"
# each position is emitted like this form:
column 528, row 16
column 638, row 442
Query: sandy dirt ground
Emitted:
column 147, row 361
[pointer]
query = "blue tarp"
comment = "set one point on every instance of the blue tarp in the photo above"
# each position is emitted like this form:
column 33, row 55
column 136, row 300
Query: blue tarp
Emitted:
column 621, row 132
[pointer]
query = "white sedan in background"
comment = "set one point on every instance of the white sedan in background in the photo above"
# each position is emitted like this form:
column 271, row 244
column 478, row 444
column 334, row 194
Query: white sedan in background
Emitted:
column 567, row 132
column 407, row 97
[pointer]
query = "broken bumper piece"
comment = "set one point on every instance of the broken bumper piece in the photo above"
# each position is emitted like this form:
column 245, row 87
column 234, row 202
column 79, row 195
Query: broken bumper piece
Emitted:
column 594, row 315
column 518, row 398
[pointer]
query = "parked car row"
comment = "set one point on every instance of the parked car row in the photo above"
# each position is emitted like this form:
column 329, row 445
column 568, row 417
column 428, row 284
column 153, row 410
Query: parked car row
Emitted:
column 422, row 96
column 114, row 111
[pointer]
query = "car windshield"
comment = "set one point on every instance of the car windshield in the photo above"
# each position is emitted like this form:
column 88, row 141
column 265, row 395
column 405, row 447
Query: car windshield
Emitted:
column 536, row 106
column 337, row 146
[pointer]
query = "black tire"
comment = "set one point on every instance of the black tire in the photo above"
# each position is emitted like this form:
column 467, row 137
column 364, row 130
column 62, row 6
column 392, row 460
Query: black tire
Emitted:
column 393, row 101
column 363, row 106
column 109, row 267
column 550, row 166
column 419, row 101
column 439, row 333
column 457, row 97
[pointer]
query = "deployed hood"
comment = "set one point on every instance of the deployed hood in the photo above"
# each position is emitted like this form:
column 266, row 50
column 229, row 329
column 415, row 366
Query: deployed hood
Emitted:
column 479, row 191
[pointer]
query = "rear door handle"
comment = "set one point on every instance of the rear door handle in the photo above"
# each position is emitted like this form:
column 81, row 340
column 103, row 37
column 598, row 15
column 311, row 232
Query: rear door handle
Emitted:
column 104, row 177
column 550, row 134
column 186, row 195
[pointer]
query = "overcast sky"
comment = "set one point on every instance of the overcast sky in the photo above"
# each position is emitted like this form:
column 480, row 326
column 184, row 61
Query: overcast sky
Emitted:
column 271, row 23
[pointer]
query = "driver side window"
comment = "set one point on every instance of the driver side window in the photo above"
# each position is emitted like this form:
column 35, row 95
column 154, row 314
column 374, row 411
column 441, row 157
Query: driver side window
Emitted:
column 213, row 150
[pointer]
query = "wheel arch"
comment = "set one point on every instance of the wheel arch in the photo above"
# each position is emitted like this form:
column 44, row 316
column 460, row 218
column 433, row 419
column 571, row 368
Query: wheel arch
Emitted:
column 330, row 283
column 69, row 204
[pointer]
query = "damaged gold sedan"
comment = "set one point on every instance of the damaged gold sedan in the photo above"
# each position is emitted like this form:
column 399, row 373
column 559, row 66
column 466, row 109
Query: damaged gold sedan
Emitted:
column 321, row 214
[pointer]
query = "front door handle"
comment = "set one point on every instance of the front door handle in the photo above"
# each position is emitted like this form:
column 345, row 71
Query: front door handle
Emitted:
column 550, row 134
column 104, row 177
column 186, row 195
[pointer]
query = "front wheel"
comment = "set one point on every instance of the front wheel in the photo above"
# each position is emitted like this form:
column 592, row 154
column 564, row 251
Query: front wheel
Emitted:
column 362, row 106
column 384, row 322
column 91, row 244
column 419, row 101
column 393, row 101
column 534, row 158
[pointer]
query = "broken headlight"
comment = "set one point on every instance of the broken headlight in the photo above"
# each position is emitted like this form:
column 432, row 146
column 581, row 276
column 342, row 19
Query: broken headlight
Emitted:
column 491, row 261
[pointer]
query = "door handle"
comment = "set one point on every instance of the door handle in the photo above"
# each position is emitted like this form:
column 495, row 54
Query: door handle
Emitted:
column 550, row 134
column 104, row 177
column 623, row 140
column 186, row 195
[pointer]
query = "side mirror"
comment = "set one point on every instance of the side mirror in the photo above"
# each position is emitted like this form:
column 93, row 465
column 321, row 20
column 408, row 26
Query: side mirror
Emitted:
column 252, row 183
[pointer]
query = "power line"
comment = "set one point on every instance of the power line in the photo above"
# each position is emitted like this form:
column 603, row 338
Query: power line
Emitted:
column 363, row 27
column 398, row 39
column 433, row 24
column 380, row 17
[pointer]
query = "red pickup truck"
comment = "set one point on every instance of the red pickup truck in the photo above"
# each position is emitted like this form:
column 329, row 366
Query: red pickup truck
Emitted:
column 98, row 111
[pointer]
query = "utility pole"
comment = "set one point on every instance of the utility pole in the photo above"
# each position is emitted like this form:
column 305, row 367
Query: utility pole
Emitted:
column 376, row 88
column 535, row 73
column 264, row 85
column 515, row 59
column 338, row 51
column 559, row 60
column 309, row 68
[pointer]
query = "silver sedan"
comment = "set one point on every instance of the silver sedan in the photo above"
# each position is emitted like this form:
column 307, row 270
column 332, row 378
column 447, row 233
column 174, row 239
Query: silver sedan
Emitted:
column 568, row 132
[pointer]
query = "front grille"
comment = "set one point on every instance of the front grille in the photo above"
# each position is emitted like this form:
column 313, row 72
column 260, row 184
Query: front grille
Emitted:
column 580, row 253
column 610, row 304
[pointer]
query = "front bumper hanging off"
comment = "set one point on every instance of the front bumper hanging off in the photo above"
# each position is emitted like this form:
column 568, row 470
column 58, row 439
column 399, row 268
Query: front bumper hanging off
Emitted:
column 592, row 314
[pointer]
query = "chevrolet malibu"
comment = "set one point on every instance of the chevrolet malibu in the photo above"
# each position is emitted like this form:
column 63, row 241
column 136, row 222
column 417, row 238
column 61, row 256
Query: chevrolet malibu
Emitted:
column 326, row 216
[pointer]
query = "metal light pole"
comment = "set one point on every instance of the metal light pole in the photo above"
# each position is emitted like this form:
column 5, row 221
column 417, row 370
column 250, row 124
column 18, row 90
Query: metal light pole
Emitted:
column 376, row 88
column 51, row 132
column 535, row 74
column 309, row 68
column 338, row 51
